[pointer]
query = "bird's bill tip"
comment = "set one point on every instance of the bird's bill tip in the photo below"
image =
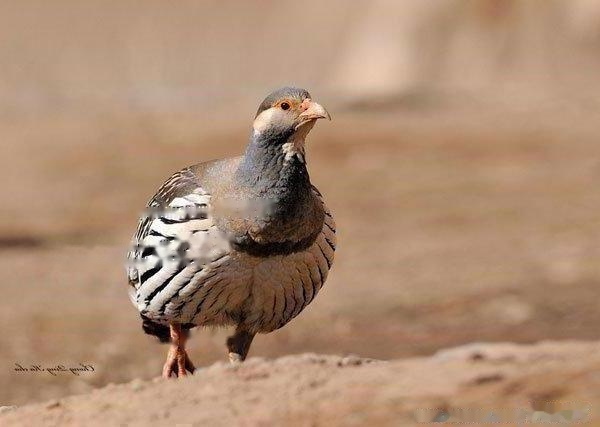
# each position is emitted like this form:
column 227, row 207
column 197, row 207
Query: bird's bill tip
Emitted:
column 314, row 111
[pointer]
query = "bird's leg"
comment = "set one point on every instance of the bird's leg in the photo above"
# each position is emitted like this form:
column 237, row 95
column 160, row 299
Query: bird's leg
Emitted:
column 239, row 344
column 178, row 362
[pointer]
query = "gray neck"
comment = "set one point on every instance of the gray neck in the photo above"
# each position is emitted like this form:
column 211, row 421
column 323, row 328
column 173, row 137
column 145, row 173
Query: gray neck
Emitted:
column 294, row 216
column 266, row 172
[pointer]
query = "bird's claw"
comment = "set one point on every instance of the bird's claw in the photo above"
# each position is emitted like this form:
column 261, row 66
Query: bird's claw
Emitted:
column 178, row 364
column 235, row 358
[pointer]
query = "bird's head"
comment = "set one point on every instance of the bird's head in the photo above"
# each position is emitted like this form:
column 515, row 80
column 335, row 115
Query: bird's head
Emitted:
column 275, row 152
column 287, row 115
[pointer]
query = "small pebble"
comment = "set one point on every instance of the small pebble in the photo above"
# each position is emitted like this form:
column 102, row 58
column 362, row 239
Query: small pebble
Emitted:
column 137, row 385
column 351, row 360
column 52, row 404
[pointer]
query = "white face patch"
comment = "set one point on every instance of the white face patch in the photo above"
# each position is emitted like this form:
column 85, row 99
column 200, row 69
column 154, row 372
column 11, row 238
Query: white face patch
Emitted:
column 271, row 116
column 275, row 116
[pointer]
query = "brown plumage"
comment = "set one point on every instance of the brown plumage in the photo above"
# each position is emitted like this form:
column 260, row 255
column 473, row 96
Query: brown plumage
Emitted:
column 246, row 241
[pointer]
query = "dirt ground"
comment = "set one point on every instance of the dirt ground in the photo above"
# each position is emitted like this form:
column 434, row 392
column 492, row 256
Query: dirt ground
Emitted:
column 455, row 225
column 478, row 385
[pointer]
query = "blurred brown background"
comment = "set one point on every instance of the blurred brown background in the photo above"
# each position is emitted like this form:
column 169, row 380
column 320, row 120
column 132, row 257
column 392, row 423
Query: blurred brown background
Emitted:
column 462, row 166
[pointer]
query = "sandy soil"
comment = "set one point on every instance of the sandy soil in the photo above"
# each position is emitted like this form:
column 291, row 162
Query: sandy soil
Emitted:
column 477, row 224
column 548, row 381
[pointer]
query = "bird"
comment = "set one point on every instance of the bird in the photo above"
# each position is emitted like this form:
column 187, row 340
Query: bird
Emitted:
column 245, row 242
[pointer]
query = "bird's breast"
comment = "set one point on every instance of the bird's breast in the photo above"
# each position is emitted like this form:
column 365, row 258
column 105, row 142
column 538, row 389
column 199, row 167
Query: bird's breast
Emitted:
column 282, row 227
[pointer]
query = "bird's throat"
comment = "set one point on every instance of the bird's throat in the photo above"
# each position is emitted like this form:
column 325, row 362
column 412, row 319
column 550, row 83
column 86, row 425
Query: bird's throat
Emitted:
column 274, row 166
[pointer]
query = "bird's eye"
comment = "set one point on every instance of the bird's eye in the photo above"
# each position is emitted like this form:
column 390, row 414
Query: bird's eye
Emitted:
column 285, row 106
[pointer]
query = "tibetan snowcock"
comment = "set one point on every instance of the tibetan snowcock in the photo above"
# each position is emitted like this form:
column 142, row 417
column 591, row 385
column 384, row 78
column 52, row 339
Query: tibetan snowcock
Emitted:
column 244, row 242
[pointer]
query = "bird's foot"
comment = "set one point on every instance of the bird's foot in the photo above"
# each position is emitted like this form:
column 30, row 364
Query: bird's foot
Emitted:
column 238, row 345
column 178, row 363
column 235, row 358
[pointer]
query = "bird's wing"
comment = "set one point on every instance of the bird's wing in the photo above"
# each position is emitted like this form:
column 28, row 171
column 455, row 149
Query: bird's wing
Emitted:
column 179, row 184
column 326, row 241
column 178, row 214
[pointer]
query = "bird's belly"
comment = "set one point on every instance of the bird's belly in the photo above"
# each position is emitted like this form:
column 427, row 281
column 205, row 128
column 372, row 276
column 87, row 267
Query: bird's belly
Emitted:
column 282, row 287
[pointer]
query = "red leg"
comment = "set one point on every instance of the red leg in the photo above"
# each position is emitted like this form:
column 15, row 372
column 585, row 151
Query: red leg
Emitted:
column 178, row 362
